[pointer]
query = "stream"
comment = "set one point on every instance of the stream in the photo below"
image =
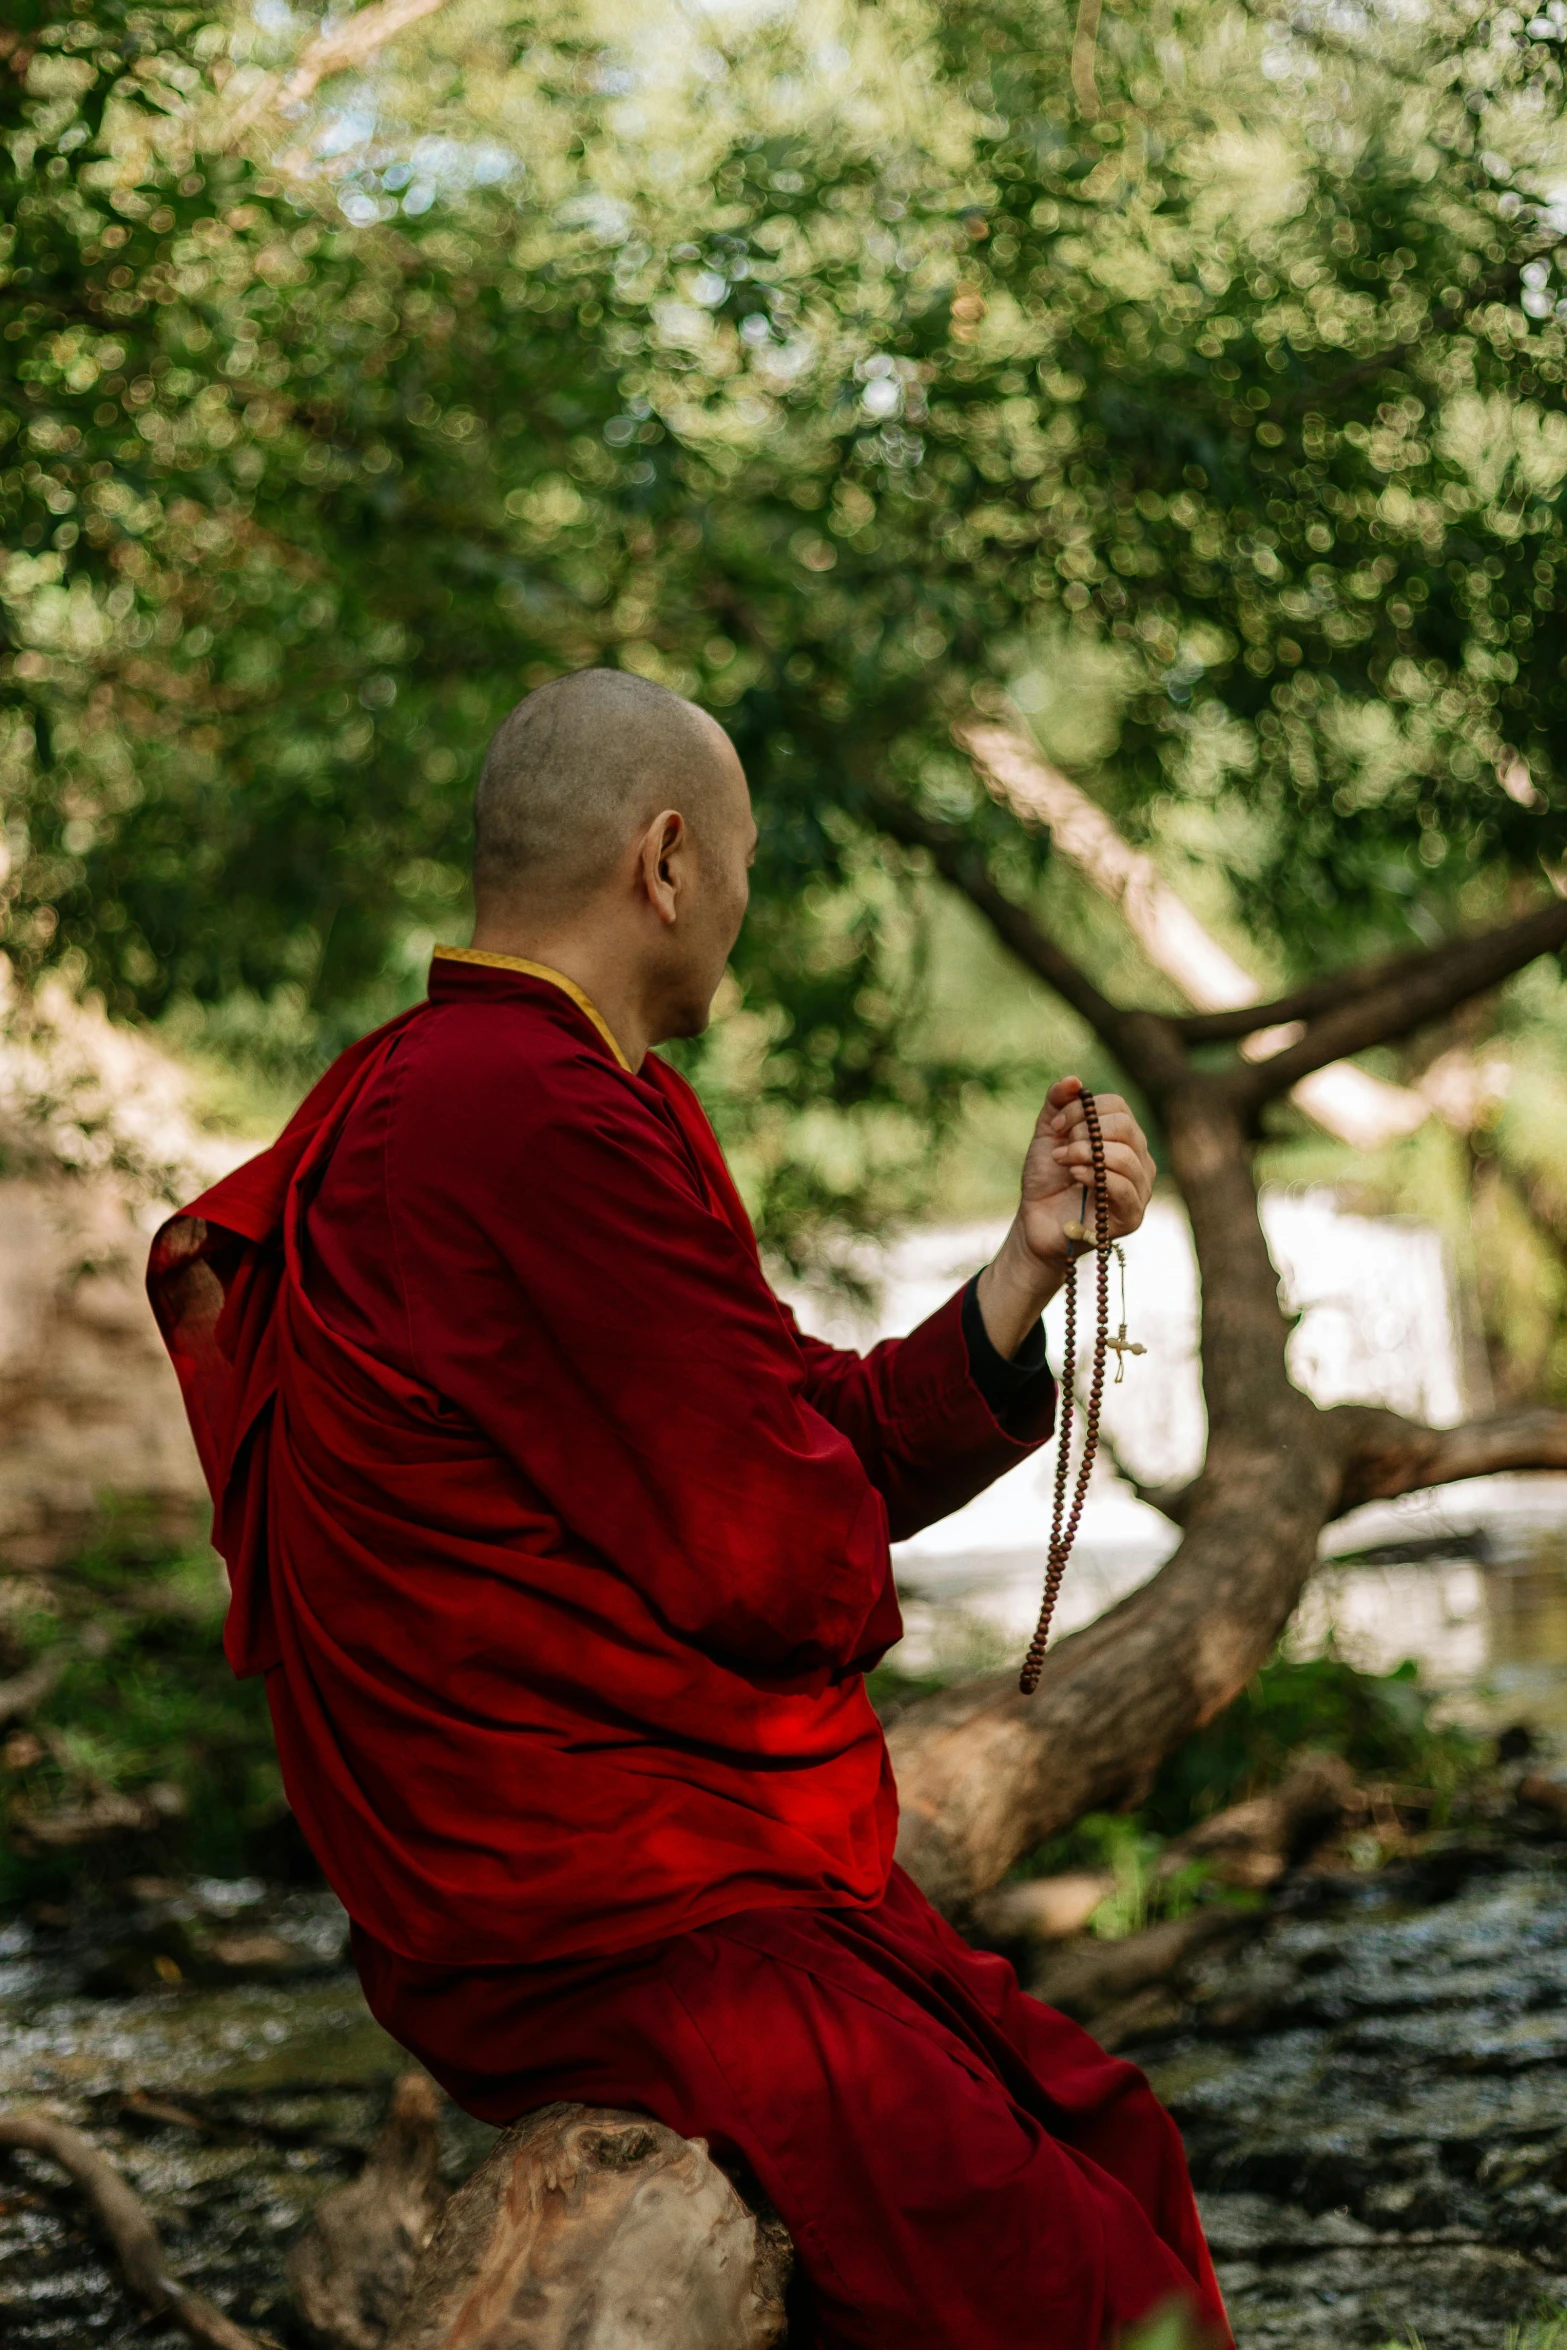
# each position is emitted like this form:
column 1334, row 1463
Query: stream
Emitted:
column 1373, row 2095
column 1374, row 2104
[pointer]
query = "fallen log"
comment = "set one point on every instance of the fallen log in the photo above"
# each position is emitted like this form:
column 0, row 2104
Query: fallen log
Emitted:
column 1251, row 1844
column 122, row 2215
column 1092, row 1977
column 21, row 1695
column 108, row 1813
column 1041, row 1909
column 586, row 2229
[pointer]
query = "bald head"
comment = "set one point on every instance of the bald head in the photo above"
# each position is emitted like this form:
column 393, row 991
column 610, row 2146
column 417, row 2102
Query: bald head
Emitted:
column 576, row 772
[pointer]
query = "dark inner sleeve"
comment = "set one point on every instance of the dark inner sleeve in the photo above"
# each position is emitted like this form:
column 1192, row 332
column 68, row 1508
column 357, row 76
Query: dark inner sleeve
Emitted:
column 1014, row 1390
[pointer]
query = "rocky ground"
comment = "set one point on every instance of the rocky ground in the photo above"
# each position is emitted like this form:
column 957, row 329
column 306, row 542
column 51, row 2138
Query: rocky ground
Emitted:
column 1373, row 2091
column 1374, row 2101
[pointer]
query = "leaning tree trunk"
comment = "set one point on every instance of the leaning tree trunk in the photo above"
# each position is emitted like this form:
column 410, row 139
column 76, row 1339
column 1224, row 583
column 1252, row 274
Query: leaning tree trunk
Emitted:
column 983, row 1773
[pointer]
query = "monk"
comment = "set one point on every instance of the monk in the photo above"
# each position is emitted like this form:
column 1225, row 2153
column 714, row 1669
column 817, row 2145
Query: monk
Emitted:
column 564, row 1553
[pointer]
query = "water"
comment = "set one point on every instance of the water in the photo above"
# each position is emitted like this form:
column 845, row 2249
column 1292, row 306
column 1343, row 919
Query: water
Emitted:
column 1373, row 2095
column 1374, row 2105
column 283, row 2085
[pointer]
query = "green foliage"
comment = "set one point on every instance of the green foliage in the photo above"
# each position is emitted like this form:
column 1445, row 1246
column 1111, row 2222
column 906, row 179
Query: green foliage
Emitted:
column 1379, row 1722
column 147, row 1702
column 838, row 374
column 1170, row 2328
column 1547, row 2331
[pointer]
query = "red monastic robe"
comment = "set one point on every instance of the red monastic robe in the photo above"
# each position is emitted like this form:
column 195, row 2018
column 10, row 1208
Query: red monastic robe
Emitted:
column 564, row 1553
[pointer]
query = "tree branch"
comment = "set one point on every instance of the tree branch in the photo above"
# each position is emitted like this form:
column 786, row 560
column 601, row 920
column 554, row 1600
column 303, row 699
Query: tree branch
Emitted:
column 1348, row 1102
column 1085, row 44
column 1406, row 999
column 1135, row 1037
column 1385, row 1454
column 353, row 41
column 1302, row 1003
column 1171, row 1498
column 123, row 2218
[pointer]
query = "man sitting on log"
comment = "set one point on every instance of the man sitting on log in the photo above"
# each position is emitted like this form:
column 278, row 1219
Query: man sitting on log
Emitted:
column 564, row 1553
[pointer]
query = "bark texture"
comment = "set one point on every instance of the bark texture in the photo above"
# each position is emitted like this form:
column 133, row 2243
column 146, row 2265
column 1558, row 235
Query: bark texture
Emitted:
column 592, row 2230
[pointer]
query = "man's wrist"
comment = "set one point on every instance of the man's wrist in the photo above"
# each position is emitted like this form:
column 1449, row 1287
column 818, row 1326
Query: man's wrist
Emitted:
column 1014, row 1290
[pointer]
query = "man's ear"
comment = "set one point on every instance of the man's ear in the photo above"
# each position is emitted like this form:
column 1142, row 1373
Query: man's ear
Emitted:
column 664, row 837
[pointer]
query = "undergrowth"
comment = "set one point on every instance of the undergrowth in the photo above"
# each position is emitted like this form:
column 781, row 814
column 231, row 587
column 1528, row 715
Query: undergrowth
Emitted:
column 1381, row 1723
column 1547, row 2330
column 146, row 1707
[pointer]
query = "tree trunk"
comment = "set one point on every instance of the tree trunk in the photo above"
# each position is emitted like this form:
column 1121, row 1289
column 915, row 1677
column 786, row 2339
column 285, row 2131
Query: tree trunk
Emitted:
column 984, row 1773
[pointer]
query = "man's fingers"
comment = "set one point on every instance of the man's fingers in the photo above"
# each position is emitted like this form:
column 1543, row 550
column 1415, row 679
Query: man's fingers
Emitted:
column 1114, row 1118
column 1122, row 1163
column 1126, row 1204
column 1068, row 1104
column 1121, row 1158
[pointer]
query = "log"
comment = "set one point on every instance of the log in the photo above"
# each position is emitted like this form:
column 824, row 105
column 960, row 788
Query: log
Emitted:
column 19, row 1697
column 1092, row 1976
column 353, row 2268
column 585, row 2229
column 1041, row 1909
column 1253, row 1843
column 1544, row 1794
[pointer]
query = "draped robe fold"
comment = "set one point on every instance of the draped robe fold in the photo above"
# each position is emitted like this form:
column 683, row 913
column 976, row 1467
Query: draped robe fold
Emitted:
column 564, row 1553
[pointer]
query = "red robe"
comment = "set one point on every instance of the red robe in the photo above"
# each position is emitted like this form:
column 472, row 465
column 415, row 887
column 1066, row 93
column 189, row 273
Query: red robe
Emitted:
column 564, row 1553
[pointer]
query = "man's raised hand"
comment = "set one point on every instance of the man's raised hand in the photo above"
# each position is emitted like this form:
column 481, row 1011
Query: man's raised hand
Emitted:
column 1032, row 1261
column 1059, row 1164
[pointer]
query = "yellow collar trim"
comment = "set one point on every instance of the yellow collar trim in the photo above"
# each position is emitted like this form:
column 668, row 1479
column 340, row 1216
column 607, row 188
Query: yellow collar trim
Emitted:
column 542, row 971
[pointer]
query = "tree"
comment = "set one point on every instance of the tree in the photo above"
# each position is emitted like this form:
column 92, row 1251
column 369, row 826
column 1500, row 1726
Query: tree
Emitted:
column 866, row 405
column 984, row 1773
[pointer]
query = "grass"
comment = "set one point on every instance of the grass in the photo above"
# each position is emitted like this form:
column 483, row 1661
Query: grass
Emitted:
column 1547, row 2330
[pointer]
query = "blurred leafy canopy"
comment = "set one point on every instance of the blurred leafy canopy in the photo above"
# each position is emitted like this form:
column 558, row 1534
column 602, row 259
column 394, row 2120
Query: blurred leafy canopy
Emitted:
column 833, row 370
